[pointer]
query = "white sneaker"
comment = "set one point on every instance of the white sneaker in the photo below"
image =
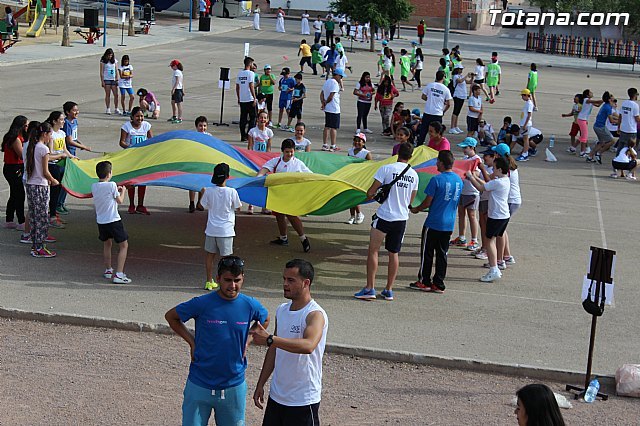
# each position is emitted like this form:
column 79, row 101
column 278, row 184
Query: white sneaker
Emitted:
column 325, row 147
column 510, row 260
column 108, row 111
column 453, row 131
column 588, row 150
column 359, row 218
column 629, row 177
column 367, row 131
column 482, row 255
column 351, row 220
column 357, row 131
column 118, row 111
column 571, row 150
column 490, row 277
column 459, row 130
column 270, row 124
column 121, row 279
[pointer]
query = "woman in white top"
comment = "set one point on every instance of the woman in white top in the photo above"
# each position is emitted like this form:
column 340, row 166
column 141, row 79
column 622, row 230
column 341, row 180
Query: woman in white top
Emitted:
column 418, row 66
column 304, row 24
column 479, row 77
column 109, row 79
column 280, row 21
column 256, row 18
column 515, row 201
column 459, row 94
column 134, row 133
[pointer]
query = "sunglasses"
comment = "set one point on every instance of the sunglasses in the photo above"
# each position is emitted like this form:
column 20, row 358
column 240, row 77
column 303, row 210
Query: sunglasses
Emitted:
column 230, row 261
column 615, row 100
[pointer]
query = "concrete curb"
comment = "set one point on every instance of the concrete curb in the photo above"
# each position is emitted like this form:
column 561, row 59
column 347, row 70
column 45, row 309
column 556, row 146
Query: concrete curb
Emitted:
column 607, row 382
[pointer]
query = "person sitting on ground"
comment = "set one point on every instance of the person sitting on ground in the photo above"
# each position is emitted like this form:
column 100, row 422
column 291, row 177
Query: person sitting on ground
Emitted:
column 486, row 134
column 537, row 405
column 504, row 131
column 625, row 160
column 149, row 104
column 535, row 138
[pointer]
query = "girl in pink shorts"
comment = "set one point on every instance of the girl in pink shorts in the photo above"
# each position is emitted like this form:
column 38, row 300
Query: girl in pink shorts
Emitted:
column 582, row 120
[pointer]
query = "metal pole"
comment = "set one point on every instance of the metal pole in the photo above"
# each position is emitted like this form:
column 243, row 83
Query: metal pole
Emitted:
column 447, row 24
column 104, row 31
column 190, row 13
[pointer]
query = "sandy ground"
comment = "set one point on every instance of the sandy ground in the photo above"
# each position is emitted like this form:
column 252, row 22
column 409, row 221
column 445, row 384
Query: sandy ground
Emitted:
column 66, row 375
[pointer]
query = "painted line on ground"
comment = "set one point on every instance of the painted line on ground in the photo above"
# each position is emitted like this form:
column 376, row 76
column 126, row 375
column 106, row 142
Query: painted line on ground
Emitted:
column 598, row 206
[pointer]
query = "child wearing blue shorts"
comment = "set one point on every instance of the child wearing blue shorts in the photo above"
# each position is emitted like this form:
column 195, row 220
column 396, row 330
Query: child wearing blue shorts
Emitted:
column 125, row 74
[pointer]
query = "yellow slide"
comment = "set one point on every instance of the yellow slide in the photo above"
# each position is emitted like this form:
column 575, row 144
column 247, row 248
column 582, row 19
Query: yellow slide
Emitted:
column 38, row 23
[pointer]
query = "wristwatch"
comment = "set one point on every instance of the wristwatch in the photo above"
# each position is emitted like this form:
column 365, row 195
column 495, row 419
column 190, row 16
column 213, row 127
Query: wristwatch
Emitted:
column 270, row 340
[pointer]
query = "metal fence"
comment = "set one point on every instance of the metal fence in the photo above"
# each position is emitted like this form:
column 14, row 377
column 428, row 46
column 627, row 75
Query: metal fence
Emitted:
column 582, row 47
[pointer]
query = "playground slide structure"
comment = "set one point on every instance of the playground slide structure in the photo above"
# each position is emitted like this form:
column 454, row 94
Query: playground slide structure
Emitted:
column 40, row 18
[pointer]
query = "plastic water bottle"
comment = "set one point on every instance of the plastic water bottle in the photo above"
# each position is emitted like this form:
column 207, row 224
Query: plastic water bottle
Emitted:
column 552, row 141
column 592, row 390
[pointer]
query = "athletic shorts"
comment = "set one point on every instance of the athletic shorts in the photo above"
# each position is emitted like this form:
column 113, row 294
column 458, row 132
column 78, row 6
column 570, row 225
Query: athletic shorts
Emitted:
column 513, row 208
column 479, row 81
column 457, row 105
column 331, row 120
column 305, row 60
column 483, row 206
column 472, row 124
column 496, row 227
column 219, row 245
column 574, row 129
column 536, row 139
column 124, row 90
column 228, row 405
column 284, row 102
column 269, row 101
column 404, row 78
column 113, row 230
column 277, row 414
column 110, row 83
column 469, row 201
column 296, row 110
column 624, row 166
column 603, row 134
column 178, row 96
column 394, row 233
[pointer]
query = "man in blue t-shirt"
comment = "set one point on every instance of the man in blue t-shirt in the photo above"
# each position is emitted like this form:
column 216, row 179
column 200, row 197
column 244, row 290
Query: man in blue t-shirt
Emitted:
column 605, row 137
column 222, row 323
column 443, row 195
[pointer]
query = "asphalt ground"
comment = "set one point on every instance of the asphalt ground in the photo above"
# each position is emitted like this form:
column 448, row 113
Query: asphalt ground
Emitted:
column 532, row 317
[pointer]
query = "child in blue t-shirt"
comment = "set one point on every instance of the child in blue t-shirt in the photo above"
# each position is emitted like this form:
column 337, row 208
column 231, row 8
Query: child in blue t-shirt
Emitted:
column 72, row 142
column 285, row 85
column 297, row 98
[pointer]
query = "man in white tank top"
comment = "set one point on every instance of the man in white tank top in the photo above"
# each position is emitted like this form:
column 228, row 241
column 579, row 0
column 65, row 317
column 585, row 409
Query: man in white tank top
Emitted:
column 295, row 353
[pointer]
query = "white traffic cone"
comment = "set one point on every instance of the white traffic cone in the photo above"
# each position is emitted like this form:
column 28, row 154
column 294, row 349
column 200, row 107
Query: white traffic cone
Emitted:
column 550, row 157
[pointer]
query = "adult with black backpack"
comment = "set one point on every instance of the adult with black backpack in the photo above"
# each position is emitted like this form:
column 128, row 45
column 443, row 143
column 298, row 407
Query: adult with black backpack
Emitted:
column 394, row 187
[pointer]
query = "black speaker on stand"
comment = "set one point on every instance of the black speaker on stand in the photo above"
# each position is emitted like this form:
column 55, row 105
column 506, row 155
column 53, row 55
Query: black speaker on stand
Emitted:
column 90, row 18
column 224, row 77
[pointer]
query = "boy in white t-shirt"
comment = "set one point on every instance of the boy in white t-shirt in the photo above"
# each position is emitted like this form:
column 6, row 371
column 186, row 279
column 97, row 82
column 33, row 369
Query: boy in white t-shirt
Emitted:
column 498, row 214
column 469, row 200
column 106, row 197
column 525, row 124
column 221, row 203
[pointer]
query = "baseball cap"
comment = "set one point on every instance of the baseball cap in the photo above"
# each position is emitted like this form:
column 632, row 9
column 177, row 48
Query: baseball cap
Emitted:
column 385, row 42
column 285, row 71
column 525, row 92
column 267, row 66
column 458, row 66
column 220, row 173
column 487, row 152
column 415, row 111
column 501, row 149
column 340, row 72
column 174, row 63
column 468, row 141
column 361, row 136
column 414, row 43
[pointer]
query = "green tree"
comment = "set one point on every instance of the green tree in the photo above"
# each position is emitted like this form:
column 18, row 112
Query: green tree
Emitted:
column 377, row 12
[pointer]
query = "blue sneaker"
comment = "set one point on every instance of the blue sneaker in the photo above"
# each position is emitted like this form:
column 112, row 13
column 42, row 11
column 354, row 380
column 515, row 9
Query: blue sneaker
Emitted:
column 522, row 158
column 366, row 294
column 387, row 294
column 533, row 152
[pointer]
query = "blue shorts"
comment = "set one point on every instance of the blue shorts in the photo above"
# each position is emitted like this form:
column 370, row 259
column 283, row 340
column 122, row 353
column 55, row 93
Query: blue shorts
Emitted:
column 128, row 90
column 228, row 405
column 284, row 102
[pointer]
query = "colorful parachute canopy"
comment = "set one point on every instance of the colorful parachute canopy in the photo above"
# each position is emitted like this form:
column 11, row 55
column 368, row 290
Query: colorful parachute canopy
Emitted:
column 185, row 159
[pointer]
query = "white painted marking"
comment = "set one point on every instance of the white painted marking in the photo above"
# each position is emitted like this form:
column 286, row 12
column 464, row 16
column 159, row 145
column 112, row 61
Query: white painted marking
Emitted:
column 599, row 208
column 179, row 246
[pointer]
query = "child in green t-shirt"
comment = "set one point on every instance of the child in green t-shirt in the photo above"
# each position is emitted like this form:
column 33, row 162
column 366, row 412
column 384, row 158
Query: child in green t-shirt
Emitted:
column 493, row 79
column 532, row 84
column 405, row 69
column 267, row 85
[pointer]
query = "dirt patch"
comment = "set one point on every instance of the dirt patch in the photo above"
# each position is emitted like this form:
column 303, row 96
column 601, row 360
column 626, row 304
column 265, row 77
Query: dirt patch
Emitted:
column 61, row 375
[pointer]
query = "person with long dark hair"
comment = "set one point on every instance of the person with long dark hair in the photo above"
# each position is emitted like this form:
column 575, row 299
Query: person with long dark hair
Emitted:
column 13, row 169
column 418, row 66
column 384, row 98
column 132, row 133
column 364, row 91
column 109, row 79
column 57, row 153
column 537, row 406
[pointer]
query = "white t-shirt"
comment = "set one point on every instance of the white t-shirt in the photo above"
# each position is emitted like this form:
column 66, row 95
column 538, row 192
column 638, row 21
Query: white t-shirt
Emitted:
column 585, row 112
column 514, row 189
column 419, row 63
column 437, row 94
column 488, row 131
column 37, row 174
column 476, row 103
column 622, row 156
column 302, row 145
column 177, row 76
column 342, row 61
column 245, row 77
column 609, row 125
column 629, row 110
column 387, row 63
column 332, row 86
column 278, row 165
column 361, row 154
column 479, row 72
column 104, row 200
column 109, row 70
column 484, row 195
column 396, row 207
column 297, row 378
column 317, row 26
column 459, row 87
column 498, row 197
column 125, row 82
column 260, row 138
column 221, row 203
column 527, row 108
column 136, row 136
column 532, row 132
column 323, row 51
column 467, row 186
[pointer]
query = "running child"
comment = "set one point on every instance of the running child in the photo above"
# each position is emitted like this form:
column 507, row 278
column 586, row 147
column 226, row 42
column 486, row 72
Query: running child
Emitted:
column 134, row 132
column 106, row 197
column 358, row 150
column 479, row 77
column 405, row 69
column 285, row 85
column 419, row 66
column 177, row 91
column 575, row 110
column 221, row 203
column 302, row 144
column 494, row 73
column 305, row 49
column 469, row 200
column 297, row 99
column 532, row 84
column 202, row 125
column 125, row 74
column 149, row 104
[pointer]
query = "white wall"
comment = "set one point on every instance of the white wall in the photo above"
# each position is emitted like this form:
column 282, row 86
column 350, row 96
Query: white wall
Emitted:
column 315, row 5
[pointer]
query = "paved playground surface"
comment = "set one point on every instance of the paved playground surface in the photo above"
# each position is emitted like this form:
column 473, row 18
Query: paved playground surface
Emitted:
column 532, row 317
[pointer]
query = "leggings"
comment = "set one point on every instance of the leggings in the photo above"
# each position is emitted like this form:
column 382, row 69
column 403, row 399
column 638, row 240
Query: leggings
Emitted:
column 416, row 75
column 38, row 201
column 15, row 203
column 363, row 113
column 56, row 171
column 385, row 113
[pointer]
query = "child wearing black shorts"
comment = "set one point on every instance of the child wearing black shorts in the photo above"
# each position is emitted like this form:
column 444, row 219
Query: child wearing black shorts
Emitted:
column 299, row 93
column 106, row 197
